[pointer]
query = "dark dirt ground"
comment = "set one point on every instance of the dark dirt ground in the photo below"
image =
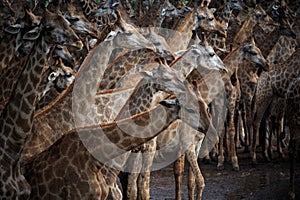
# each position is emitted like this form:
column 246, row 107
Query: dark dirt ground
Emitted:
column 264, row 181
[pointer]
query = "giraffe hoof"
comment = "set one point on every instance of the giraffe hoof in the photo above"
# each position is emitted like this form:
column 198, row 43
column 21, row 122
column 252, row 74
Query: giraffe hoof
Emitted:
column 236, row 168
column 267, row 158
column 254, row 162
column 246, row 149
column 292, row 196
column 220, row 167
column 207, row 161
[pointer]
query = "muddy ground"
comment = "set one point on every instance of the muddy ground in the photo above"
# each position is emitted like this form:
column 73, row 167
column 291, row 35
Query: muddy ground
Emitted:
column 264, row 181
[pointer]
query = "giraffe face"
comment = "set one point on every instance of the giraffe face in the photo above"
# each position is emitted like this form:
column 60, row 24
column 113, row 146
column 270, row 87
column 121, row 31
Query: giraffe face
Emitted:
column 78, row 21
column 191, row 108
column 159, row 42
column 262, row 18
column 169, row 10
column 58, row 31
column 205, row 19
column 253, row 54
column 208, row 59
column 126, row 36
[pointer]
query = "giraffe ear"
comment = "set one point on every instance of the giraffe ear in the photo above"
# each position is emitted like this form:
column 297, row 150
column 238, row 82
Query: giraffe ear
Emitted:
column 13, row 29
column 146, row 74
column 32, row 34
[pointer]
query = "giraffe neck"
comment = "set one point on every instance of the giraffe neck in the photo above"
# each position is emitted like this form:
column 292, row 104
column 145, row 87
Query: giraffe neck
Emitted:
column 56, row 119
column 267, row 42
column 233, row 60
column 122, row 132
column 7, row 50
column 125, row 65
column 282, row 75
column 245, row 31
column 18, row 115
column 88, row 6
column 9, row 76
column 183, row 34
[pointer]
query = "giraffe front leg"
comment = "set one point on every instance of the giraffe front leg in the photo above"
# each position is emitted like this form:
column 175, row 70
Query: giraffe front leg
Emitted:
column 220, row 165
column 292, row 155
column 192, row 159
column 144, row 178
column 191, row 184
column 178, row 173
column 232, row 149
column 132, row 188
column 280, row 137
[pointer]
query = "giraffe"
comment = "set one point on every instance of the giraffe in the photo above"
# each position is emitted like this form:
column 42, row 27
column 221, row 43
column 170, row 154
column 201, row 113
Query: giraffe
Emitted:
column 155, row 13
column 112, row 129
column 265, row 32
column 7, row 18
column 18, row 113
column 223, row 14
column 271, row 84
column 8, row 45
column 272, row 38
column 286, row 45
column 78, row 21
column 199, row 17
column 177, row 178
column 138, row 40
column 129, row 61
column 249, row 52
column 11, row 73
column 197, row 58
column 292, row 113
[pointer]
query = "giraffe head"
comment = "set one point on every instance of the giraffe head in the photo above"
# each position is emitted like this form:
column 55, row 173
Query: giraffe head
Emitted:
column 169, row 10
column 78, row 21
column 200, row 57
column 253, row 54
column 204, row 18
column 210, row 59
column 159, row 42
column 193, row 110
column 56, row 30
column 262, row 19
column 127, row 36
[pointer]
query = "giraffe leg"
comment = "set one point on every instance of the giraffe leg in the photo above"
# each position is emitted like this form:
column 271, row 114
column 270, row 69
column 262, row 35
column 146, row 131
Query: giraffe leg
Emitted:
column 280, row 132
column 24, row 187
column 115, row 191
column 178, row 173
column 191, row 184
column 233, row 98
column 293, row 155
column 262, row 104
column 132, row 188
column 144, row 177
column 220, row 165
column 192, row 158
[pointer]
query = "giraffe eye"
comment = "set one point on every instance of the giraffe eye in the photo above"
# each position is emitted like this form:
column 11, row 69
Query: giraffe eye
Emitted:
column 211, row 54
column 74, row 19
column 201, row 17
column 253, row 53
column 128, row 34
column 49, row 28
